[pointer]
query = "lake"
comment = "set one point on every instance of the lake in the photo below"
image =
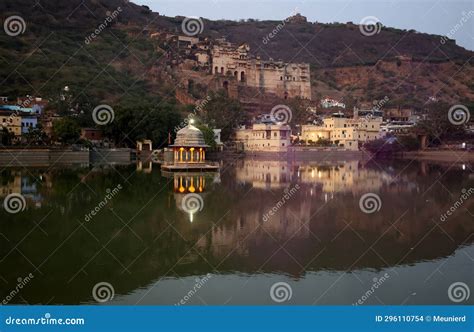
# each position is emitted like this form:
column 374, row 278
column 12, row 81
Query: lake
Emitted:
column 258, row 232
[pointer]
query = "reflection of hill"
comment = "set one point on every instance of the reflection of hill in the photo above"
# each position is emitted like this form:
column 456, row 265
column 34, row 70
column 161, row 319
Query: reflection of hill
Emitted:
column 142, row 235
column 341, row 236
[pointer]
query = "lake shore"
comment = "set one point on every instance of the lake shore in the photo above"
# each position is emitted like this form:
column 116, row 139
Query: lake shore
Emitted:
column 62, row 156
column 452, row 156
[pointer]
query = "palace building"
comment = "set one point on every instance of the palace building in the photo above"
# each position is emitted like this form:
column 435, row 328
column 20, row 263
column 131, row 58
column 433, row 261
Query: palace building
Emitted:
column 264, row 137
column 285, row 80
column 348, row 133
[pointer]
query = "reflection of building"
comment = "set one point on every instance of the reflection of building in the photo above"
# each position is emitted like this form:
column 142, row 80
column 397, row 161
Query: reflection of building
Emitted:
column 264, row 174
column 265, row 137
column 27, row 186
column 189, row 183
column 29, row 190
column 11, row 186
column 144, row 166
column 344, row 132
column 343, row 177
column 331, row 177
column 189, row 190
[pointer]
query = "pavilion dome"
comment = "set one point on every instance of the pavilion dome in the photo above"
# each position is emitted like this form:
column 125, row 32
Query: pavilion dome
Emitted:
column 189, row 136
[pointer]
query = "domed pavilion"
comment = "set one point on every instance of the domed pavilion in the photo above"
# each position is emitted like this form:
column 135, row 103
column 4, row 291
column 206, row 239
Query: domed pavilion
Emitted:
column 189, row 151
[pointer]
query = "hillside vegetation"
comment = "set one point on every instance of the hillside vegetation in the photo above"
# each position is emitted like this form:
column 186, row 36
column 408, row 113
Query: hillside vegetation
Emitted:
column 122, row 60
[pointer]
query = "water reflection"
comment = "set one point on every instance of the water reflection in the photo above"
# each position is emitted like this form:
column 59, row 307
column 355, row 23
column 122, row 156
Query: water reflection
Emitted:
column 189, row 189
column 143, row 239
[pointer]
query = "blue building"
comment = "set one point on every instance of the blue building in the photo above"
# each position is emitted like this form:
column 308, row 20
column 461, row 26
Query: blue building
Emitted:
column 28, row 121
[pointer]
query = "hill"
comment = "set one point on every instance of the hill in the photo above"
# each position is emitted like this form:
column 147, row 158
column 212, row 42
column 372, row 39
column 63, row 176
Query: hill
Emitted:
column 121, row 61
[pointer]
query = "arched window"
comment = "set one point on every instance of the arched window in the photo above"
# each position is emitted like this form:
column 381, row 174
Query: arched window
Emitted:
column 216, row 70
column 222, row 70
column 242, row 76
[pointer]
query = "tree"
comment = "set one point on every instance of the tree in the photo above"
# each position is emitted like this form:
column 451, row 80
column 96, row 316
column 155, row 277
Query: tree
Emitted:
column 35, row 136
column 223, row 113
column 6, row 136
column 145, row 119
column 208, row 136
column 382, row 147
column 323, row 142
column 437, row 125
column 66, row 130
column 299, row 111
column 409, row 143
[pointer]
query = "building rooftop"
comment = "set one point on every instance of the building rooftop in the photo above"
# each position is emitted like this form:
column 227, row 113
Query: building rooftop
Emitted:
column 189, row 136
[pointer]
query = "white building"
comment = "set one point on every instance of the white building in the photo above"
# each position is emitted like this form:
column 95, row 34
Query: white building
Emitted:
column 265, row 137
column 217, row 138
column 328, row 102
column 348, row 133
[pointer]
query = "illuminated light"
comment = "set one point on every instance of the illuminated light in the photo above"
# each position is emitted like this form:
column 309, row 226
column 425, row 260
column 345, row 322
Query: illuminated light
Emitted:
column 463, row 167
column 191, row 121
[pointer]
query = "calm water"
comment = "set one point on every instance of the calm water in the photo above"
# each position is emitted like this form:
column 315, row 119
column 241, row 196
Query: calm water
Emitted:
column 153, row 248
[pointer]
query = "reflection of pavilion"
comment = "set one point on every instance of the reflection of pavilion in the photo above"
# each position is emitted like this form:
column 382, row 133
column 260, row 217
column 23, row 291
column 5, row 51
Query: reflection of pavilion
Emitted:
column 184, row 183
column 189, row 189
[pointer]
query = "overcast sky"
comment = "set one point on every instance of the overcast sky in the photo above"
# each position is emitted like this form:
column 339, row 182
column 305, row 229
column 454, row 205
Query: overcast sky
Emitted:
column 430, row 16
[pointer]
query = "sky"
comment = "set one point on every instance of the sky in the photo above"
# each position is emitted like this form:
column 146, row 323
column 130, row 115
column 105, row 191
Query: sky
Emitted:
column 441, row 17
